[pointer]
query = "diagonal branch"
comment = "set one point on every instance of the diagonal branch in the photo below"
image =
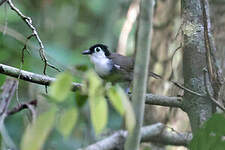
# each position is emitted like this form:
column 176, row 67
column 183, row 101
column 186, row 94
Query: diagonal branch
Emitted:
column 22, row 106
column 31, row 77
column 154, row 133
column 8, row 90
column 3, row 1
column 216, row 102
column 46, row 80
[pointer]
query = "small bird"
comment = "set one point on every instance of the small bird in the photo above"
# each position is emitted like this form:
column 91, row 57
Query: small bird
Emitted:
column 110, row 66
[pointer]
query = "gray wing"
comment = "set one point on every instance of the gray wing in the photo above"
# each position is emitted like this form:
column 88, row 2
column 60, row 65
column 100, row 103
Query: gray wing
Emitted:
column 125, row 65
column 122, row 62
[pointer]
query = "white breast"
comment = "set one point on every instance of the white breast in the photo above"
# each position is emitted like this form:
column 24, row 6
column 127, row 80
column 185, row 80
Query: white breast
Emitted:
column 102, row 65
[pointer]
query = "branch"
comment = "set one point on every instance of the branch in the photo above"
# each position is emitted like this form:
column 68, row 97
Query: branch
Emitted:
column 154, row 133
column 214, row 71
column 29, row 23
column 199, row 109
column 153, row 99
column 216, row 102
column 21, row 107
column 31, row 77
column 8, row 90
column 3, row 1
column 46, row 80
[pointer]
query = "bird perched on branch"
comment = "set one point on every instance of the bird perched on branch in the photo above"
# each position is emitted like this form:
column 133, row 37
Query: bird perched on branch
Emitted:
column 110, row 66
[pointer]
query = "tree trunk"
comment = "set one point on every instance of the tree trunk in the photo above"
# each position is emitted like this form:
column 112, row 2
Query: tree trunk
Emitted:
column 199, row 109
column 144, row 38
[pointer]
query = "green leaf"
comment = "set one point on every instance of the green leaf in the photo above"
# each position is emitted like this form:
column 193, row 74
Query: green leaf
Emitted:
column 36, row 134
column 211, row 135
column 59, row 90
column 67, row 121
column 94, row 84
column 116, row 99
column 97, row 102
column 99, row 113
column 121, row 102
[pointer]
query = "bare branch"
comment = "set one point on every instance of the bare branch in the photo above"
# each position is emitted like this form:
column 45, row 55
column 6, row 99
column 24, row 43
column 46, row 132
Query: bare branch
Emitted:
column 154, row 133
column 46, row 80
column 208, row 92
column 28, row 21
column 8, row 90
column 22, row 107
column 31, row 77
column 214, row 71
column 163, row 100
column 3, row 1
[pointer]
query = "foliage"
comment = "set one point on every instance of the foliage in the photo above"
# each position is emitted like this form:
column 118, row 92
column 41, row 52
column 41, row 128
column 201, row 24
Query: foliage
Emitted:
column 211, row 135
column 36, row 134
column 66, row 28
column 97, row 102
column 67, row 121
column 63, row 114
column 121, row 103
column 60, row 89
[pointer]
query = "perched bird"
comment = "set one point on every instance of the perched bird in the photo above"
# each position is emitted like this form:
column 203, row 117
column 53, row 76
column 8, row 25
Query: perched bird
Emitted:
column 110, row 66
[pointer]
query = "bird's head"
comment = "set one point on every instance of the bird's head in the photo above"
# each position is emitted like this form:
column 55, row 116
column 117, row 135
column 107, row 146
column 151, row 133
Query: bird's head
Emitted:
column 97, row 50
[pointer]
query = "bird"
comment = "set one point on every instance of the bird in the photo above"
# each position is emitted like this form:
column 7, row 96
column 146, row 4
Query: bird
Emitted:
column 110, row 66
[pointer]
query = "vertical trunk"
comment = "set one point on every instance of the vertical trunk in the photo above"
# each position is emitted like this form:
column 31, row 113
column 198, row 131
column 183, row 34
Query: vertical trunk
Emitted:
column 142, row 60
column 199, row 109
column 217, row 8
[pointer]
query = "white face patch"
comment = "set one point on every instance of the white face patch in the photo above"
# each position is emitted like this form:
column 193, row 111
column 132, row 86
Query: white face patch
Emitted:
column 102, row 63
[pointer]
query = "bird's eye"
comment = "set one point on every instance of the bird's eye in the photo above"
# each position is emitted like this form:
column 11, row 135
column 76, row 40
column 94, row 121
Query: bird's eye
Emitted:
column 97, row 49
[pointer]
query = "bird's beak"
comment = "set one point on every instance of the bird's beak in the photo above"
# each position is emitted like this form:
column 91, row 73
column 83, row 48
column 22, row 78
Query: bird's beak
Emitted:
column 86, row 52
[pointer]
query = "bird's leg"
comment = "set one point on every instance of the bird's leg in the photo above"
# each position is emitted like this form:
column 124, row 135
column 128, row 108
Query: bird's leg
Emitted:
column 128, row 88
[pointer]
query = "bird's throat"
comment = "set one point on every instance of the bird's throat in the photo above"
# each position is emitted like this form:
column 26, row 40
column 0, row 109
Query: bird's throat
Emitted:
column 102, row 65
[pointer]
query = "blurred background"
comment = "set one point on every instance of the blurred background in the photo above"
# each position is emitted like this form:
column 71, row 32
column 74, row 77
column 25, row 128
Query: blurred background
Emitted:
column 68, row 27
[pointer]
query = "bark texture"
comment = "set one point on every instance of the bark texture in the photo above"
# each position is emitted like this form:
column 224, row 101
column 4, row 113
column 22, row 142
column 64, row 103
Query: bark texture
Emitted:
column 199, row 109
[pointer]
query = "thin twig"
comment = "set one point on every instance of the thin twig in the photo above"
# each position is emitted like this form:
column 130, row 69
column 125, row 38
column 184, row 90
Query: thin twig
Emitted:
column 25, row 47
column 186, row 89
column 3, row 1
column 33, row 112
column 22, row 107
column 214, row 70
column 208, row 92
column 28, row 21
